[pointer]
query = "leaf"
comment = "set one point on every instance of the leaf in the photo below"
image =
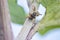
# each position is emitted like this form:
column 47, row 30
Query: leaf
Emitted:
column 52, row 17
column 17, row 13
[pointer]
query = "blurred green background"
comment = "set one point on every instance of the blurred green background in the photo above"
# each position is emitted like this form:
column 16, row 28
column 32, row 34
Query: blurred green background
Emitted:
column 52, row 17
column 17, row 13
column 50, row 21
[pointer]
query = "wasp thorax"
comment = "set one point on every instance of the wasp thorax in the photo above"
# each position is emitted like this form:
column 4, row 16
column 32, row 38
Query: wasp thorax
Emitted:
column 34, row 14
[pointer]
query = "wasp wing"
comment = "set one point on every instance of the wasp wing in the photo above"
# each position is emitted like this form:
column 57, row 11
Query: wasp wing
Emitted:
column 42, row 11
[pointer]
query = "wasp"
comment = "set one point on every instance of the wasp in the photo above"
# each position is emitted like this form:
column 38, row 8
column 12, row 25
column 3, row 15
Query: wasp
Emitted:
column 33, row 14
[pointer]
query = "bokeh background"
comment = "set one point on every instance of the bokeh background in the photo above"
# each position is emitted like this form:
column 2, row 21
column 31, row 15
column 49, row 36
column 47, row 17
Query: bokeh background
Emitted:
column 49, row 25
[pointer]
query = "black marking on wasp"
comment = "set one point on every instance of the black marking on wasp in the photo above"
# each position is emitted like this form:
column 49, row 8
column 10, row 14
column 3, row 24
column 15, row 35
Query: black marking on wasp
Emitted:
column 33, row 15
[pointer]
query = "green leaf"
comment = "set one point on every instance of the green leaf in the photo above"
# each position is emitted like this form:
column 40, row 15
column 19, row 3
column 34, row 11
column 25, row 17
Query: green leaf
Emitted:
column 17, row 13
column 52, row 17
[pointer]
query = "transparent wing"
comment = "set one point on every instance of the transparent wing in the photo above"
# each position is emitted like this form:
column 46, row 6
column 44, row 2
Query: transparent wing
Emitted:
column 42, row 11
